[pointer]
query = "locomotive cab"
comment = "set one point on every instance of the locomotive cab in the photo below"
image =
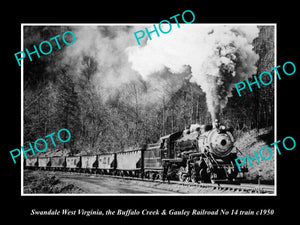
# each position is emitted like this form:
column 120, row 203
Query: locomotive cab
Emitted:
column 167, row 145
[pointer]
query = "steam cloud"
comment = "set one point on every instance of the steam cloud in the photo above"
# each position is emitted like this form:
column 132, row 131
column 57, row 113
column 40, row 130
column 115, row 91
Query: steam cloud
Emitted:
column 108, row 47
column 218, row 56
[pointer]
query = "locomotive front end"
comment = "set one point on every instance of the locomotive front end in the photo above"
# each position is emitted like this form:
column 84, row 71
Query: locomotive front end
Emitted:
column 218, row 152
column 220, row 141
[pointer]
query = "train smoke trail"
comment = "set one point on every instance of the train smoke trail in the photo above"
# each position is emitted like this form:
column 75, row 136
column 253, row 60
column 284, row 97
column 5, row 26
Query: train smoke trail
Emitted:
column 108, row 47
column 219, row 57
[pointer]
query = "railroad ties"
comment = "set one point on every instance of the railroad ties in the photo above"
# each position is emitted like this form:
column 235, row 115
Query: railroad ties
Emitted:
column 226, row 188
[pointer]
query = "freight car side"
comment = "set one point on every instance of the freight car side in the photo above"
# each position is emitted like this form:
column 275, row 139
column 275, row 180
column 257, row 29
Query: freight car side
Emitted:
column 44, row 163
column 58, row 163
column 130, row 163
column 31, row 163
column 73, row 163
column 107, row 163
column 89, row 163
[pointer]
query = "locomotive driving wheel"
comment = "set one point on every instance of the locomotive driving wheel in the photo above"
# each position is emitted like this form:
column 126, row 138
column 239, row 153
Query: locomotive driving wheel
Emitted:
column 182, row 175
column 205, row 175
column 194, row 176
column 205, row 172
column 212, row 178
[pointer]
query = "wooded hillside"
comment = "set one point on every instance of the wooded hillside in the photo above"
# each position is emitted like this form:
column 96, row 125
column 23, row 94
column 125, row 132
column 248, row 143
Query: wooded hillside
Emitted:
column 57, row 95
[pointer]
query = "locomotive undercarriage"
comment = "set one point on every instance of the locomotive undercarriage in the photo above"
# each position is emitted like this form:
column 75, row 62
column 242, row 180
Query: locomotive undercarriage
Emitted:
column 202, row 168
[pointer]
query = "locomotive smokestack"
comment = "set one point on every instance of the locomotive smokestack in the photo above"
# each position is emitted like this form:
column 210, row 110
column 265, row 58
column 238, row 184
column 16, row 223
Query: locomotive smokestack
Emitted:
column 214, row 108
column 215, row 118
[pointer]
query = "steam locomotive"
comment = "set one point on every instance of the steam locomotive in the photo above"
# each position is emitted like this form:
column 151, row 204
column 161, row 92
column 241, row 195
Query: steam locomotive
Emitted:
column 202, row 153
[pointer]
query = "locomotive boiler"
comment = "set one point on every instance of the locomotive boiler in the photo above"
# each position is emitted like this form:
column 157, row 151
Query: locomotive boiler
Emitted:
column 202, row 153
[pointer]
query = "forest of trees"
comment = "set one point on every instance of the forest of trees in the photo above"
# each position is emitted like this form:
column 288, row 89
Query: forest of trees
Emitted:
column 56, row 96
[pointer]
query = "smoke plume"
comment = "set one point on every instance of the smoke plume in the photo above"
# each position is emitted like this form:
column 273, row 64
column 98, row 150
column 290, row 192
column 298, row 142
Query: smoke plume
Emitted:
column 108, row 47
column 218, row 57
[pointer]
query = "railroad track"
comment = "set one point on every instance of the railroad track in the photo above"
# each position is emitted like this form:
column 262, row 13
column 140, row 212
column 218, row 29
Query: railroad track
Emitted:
column 242, row 188
column 226, row 188
column 249, row 188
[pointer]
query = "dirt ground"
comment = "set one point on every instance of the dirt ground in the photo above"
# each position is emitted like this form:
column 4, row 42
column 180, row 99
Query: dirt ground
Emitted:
column 59, row 182
column 63, row 182
column 43, row 182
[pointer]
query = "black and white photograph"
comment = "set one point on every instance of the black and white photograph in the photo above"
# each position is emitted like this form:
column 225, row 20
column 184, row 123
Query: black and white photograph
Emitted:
column 150, row 113
column 107, row 113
